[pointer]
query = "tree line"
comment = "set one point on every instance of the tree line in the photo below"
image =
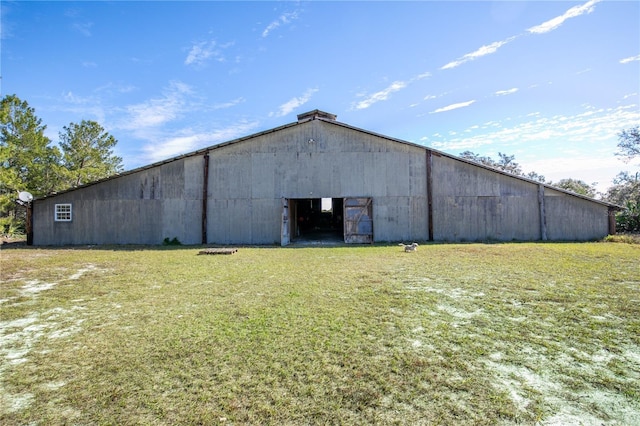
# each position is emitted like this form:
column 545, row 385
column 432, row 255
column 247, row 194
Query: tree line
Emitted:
column 30, row 161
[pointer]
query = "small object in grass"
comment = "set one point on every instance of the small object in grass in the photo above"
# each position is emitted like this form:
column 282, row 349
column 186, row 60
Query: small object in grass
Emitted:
column 409, row 247
column 218, row 251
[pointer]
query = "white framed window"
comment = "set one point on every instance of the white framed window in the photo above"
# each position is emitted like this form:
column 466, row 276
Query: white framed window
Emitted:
column 62, row 213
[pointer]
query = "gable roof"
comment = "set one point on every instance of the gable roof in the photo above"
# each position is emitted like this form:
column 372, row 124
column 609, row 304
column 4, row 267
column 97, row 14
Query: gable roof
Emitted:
column 331, row 119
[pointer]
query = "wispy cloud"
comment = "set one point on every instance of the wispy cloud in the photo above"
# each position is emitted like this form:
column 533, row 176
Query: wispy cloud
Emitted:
column 229, row 104
column 156, row 112
column 453, row 106
column 382, row 95
column 83, row 28
column 385, row 93
column 88, row 107
column 590, row 126
column 554, row 23
column 285, row 18
column 111, row 88
column 188, row 141
column 200, row 52
column 506, row 92
column 293, row 103
column 630, row 59
column 545, row 27
column 482, row 51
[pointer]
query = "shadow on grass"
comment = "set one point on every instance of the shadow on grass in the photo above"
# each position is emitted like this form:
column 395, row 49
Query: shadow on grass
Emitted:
column 17, row 243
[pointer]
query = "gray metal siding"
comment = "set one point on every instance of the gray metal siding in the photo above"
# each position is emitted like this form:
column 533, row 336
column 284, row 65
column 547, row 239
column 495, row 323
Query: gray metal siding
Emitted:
column 471, row 203
column 248, row 180
column 571, row 218
column 139, row 208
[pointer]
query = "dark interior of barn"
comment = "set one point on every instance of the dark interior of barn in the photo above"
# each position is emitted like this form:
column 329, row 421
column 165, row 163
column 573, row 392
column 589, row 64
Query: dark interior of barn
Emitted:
column 319, row 219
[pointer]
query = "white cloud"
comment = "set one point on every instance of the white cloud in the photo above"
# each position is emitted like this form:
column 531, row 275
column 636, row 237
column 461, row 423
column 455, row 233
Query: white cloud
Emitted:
column 482, row 51
column 590, row 169
column 88, row 107
column 506, row 92
column 156, row 112
column 293, row 103
column 115, row 88
column 554, row 23
column 188, row 141
column 453, row 106
column 285, row 18
column 539, row 29
column 554, row 143
column 201, row 52
column 630, row 59
column 229, row 104
column 382, row 95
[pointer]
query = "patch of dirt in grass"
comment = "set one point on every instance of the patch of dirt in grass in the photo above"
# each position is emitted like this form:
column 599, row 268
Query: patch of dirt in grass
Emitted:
column 19, row 337
column 561, row 373
column 564, row 384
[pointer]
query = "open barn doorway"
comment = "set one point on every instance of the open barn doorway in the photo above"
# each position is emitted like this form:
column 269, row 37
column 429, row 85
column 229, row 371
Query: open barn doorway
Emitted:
column 317, row 220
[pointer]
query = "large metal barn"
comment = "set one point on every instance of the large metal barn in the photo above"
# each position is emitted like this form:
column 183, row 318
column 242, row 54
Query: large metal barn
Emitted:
column 315, row 178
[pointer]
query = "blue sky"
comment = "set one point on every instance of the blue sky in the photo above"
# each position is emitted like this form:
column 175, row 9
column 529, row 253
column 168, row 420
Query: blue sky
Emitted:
column 550, row 82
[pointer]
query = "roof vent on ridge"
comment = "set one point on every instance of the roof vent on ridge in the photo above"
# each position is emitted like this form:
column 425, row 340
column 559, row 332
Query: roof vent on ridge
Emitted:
column 316, row 113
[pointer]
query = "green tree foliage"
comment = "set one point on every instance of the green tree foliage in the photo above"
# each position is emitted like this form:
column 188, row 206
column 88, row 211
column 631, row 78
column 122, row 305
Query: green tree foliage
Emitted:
column 577, row 186
column 626, row 189
column 536, row 176
column 87, row 153
column 626, row 193
column 506, row 163
column 28, row 162
column 629, row 143
column 477, row 158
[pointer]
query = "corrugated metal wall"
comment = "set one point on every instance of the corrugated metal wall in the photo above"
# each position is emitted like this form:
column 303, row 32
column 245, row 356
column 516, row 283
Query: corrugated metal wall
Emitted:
column 475, row 204
column 314, row 160
column 248, row 179
column 139, row 208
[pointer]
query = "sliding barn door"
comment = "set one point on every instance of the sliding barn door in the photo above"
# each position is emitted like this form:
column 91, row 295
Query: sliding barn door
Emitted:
column 358, row 220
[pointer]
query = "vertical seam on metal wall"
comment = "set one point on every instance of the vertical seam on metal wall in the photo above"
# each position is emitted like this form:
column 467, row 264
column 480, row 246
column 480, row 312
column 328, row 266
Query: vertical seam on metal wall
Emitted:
column 205, row 197
column 429, row 194
column 543, row 213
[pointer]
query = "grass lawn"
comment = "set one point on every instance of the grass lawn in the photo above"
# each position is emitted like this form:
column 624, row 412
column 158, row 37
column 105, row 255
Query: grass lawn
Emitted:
column 452, row 334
